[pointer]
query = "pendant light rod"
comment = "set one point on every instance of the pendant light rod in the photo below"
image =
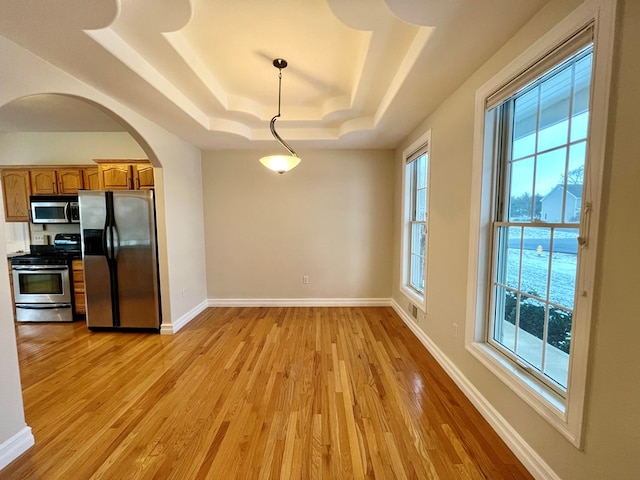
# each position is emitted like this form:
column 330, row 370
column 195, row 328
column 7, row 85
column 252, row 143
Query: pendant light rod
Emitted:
column 280, row 63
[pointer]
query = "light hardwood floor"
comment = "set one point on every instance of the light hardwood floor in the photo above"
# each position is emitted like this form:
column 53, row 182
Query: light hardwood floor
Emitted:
column 250, row 393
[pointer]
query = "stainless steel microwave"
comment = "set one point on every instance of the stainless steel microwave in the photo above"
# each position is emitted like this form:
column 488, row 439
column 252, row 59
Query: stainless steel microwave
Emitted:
column 54, row 209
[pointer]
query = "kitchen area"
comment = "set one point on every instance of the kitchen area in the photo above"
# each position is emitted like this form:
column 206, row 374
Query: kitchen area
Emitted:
column 81, row 243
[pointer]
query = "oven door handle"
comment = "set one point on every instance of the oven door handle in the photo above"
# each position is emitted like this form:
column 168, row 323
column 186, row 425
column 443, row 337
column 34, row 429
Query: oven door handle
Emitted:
column 35, row 268
column 47, row 306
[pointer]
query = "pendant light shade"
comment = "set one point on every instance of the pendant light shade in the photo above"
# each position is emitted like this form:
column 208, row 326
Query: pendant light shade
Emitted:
column 280, row 163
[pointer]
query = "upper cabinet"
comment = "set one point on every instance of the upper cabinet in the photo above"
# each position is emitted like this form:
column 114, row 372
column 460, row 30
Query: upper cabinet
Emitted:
column 117, row 176
column 16, row 189
column 19, row 182
column 58, row 181
column 91, row 178
column 70, row 180
column 143, row 176
column 125, row 175
column 43, row 182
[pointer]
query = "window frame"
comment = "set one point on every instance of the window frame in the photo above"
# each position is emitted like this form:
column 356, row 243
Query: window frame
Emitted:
column 502, row 223
column 421, row 146
column 564, row 414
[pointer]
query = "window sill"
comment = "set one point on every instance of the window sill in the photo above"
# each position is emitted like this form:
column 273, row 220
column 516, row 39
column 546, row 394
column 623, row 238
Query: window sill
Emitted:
column 414, row 298
column 538, row 396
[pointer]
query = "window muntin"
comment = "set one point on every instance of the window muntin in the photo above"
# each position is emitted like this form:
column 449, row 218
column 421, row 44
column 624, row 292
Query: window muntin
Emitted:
column 416, row 177
column 540, row 150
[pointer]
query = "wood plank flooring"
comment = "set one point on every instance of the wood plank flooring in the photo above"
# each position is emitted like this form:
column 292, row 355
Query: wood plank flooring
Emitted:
column 250, row 393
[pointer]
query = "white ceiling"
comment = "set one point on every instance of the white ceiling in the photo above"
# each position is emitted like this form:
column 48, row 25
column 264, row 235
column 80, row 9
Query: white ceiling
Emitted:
column 361, row 74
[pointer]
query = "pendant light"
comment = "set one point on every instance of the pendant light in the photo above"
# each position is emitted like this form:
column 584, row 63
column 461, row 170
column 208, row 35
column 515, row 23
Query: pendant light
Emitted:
column 280, row 163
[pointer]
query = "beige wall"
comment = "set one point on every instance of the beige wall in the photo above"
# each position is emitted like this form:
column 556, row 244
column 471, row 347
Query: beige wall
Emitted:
column 329, row 218
column 12, row 420
column 612, row 421
column 66, row 148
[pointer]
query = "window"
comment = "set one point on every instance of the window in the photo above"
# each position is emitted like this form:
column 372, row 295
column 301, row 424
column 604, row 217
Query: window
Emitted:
column 415, row 230
column 536, row 188
column 540, row 145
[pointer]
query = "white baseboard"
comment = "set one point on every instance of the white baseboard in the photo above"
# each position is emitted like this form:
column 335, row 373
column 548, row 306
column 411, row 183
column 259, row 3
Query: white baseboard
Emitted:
column 173, row 327
column 15, row 446
column 299, row 302
column 529, row 458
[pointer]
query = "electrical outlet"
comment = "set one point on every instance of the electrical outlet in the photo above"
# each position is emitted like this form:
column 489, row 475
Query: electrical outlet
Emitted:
column 38, row 239
column 305, row 279
column 455, row 330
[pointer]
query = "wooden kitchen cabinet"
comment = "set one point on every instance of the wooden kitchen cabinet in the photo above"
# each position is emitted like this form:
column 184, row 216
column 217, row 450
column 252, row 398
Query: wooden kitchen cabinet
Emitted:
column 77, row 273
column 43, row 181
column 143, row 176
column 70, row 180
column 115, row 176
column 91, row 178
column 125, row 175
column 16, row 190
column 52, row 181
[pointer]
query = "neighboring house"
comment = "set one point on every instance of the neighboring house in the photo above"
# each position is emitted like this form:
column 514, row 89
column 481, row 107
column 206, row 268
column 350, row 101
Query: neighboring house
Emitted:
column 552, row 204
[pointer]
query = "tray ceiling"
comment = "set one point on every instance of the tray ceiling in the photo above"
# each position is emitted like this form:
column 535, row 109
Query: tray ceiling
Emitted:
column 361, row 74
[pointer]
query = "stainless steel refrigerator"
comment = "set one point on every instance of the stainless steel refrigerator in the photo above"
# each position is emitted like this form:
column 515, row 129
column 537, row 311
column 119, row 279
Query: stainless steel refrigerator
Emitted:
column 118, row 231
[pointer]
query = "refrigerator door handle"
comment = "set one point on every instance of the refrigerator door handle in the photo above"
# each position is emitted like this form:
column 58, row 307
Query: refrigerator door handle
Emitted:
column 116, row 241
column 106, row 241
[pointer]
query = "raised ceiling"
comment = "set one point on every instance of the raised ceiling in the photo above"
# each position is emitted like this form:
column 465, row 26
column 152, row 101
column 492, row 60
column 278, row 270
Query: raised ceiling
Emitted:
column 361, row 74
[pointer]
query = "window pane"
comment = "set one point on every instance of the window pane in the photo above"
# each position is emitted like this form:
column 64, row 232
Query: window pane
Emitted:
column 558, row 345
column 418, row 232
column 563, row 267
column 417, row 273
column 421, row 205
column 579, row 126
column 530, row 330
column 521, row 189
column 580, row 114
column 575, row 178
column 535, row 261
column 524, row 124
column 555, row 95
column 421, row 165
column 550, row 171
column 505, row 318
column 511, row 276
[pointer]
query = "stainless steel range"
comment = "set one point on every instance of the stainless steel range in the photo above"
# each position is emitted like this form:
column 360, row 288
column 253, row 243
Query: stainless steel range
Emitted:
column 42, row 284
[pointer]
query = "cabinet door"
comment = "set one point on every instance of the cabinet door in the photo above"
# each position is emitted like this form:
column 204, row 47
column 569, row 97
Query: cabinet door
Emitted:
column 143, row 175
column 91, row 180
column 78, row 287
column 69, row 180
column 116, row 176
column 15, row 185
column 43, row 182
